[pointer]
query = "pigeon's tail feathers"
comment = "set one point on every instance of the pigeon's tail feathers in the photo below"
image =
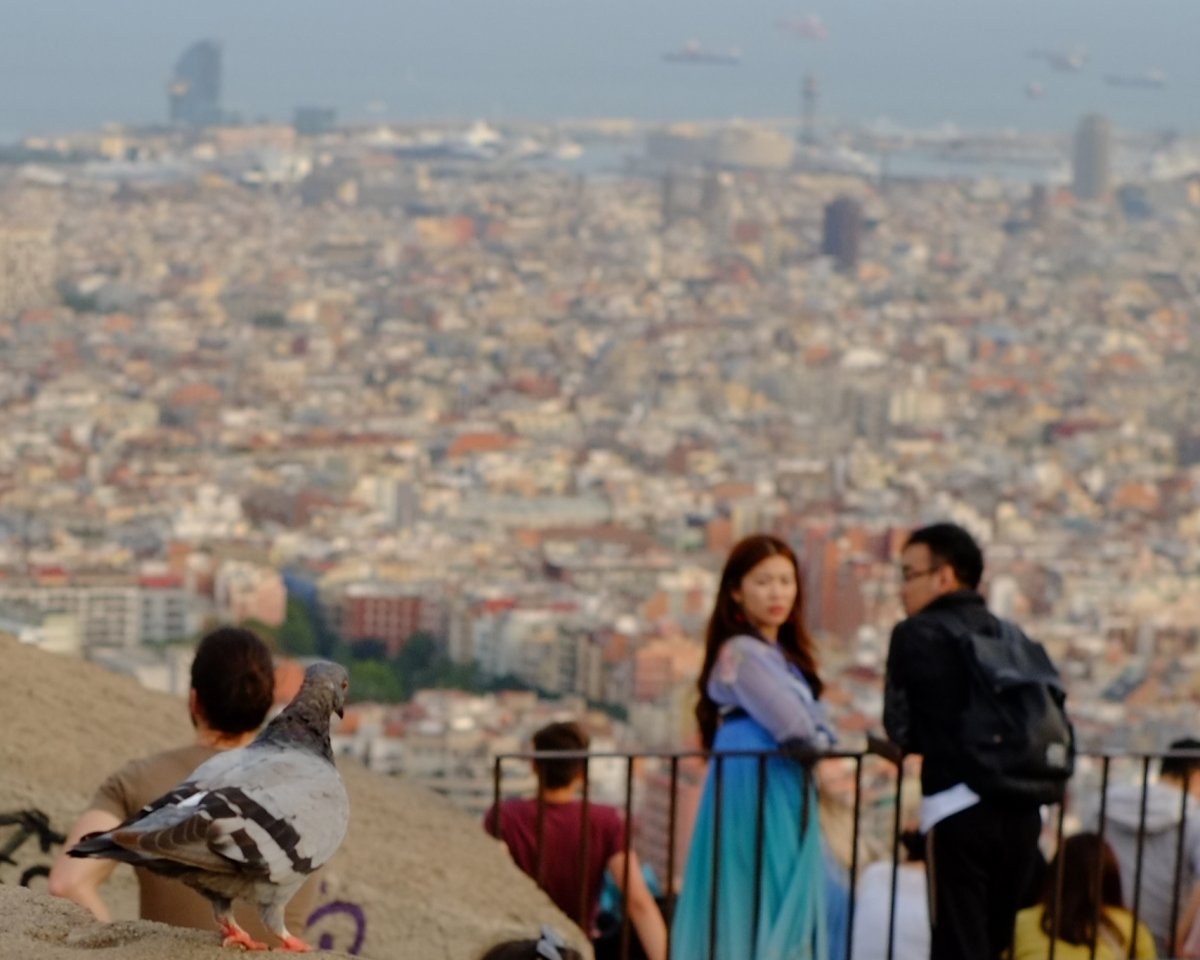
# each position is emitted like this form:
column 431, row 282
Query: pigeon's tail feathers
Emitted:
column 99, row 844
column 103, row 846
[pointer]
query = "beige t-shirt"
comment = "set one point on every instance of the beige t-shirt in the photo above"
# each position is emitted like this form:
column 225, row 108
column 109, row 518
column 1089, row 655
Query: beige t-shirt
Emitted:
column 171, row 901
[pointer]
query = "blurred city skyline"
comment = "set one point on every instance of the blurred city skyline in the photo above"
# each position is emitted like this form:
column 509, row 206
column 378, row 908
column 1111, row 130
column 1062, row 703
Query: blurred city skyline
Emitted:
column 71, row 64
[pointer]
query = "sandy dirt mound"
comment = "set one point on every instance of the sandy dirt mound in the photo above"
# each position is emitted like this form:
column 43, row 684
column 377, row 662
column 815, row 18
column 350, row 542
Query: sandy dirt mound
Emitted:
column 34, row 925
column 414, row 878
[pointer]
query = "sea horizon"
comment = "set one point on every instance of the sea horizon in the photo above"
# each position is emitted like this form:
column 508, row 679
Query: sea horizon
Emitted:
column 68, row 65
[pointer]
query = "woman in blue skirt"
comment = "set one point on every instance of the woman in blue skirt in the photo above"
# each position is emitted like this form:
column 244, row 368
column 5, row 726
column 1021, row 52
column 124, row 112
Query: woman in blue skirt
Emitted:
column 758, row 692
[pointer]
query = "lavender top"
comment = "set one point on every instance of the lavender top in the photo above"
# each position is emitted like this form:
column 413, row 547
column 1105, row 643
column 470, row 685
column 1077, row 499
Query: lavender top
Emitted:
column 759, row 679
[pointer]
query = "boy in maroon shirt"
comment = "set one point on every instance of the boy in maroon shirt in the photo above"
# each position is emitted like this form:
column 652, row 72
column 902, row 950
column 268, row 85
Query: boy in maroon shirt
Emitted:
column 562, row 875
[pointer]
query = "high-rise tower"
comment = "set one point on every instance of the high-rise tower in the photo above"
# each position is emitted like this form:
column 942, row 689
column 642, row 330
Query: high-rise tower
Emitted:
column 194, row 94
column 810, row 94
column 843, row 232
column 1092, row 167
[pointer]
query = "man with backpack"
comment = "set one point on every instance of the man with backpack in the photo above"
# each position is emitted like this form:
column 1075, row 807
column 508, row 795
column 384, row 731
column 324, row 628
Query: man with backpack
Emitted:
column 983, row 706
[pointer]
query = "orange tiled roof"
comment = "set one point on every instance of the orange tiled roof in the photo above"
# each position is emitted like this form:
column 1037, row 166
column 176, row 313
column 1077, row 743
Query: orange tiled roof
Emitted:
column 468, row 443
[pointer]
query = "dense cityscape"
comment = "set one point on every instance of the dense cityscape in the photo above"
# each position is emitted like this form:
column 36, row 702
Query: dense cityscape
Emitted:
column 515, row 389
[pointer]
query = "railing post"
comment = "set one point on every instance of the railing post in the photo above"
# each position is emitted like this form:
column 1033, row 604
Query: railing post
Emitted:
column 1141, row 849
column 628, row 848
column 672, row 813
column 585, row 921
column 759, row 839
column 854, row 857
column 891, row 937
column 496, row 797
column 1058, row 879
column 1101, row 824
column 1173, row 943
column 718, row 785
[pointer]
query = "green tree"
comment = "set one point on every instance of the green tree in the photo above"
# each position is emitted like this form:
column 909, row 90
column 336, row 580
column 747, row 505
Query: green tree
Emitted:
column 369, row 648
column 373, row 681
column 298, row 636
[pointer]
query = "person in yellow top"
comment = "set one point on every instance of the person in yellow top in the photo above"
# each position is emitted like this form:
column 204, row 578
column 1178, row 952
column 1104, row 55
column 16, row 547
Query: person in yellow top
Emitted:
column 1083, row 857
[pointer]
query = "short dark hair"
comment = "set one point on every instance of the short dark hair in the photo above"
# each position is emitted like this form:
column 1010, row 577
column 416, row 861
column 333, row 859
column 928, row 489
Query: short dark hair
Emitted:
column 234, row 679
column 950, row 544
column 1181, row 767
column 555, row 773
column 525, row 950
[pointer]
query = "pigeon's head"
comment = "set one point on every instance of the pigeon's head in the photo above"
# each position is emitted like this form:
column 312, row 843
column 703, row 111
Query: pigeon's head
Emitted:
column 326, row 683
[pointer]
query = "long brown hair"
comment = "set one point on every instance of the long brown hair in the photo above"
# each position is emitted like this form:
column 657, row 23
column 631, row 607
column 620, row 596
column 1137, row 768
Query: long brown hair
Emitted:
column 727, row 620
column 1082, row 856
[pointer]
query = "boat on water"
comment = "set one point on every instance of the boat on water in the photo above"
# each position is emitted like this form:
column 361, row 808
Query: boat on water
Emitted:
column 1150, row 79
column 694, row 52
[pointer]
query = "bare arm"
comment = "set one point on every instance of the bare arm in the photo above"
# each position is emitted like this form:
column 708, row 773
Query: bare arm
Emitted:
column 647, row 919
column 1188, row 935
column 79, row 879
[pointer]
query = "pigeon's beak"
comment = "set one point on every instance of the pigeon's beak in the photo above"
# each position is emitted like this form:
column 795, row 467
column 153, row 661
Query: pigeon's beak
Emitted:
column 340, row 712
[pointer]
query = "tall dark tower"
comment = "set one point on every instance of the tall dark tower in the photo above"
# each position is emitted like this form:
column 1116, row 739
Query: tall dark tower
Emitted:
column 194, row 95
column 669, row 198
column 810, row 94
column 1092, row 166
column 843, row 232
column 1039, row 205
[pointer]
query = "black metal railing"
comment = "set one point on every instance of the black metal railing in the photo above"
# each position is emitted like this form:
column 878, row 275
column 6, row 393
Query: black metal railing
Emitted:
column 895, row 773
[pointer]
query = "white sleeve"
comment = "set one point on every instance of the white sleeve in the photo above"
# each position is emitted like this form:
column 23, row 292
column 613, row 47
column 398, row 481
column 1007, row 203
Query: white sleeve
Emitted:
column 748, row 674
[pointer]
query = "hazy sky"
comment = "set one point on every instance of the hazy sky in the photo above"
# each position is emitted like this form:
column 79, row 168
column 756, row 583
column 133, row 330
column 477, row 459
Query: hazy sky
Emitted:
column 68, row 63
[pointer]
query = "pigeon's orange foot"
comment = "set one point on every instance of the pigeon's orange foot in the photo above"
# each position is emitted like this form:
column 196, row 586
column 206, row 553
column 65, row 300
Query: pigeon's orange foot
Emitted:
column 235, row 936
column 295, row 945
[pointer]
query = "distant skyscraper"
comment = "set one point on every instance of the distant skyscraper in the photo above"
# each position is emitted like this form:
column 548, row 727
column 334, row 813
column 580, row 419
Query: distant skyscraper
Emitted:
column 810, row 93
column 1092, row 170
column 1039, row 205
column 194, row 96
column 843, row 232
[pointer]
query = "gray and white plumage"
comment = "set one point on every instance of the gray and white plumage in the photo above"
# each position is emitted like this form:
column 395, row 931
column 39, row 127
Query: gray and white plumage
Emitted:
column 250, row 823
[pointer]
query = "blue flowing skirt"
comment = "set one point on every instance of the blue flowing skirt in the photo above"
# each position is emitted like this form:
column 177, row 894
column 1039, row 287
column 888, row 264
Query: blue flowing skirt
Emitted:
column 791, row 914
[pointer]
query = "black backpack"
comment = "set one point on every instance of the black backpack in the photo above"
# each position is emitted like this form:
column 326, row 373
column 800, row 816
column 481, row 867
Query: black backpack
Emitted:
column 1017, row 740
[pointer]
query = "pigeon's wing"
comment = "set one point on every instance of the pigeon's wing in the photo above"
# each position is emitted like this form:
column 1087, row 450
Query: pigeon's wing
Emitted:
column 269, row 814
column 279, row 813
column 180, row 828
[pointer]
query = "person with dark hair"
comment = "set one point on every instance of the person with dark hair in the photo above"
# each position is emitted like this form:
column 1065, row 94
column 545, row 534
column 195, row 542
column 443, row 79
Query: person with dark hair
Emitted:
column 232, row 689
column 544, row 837
column 549, row 946
column 758, row 691
column 1178, row 785
column 1083, row 911
column 982, row 851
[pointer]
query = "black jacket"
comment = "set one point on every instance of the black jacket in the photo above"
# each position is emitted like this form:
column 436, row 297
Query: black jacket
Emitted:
column 925, row 688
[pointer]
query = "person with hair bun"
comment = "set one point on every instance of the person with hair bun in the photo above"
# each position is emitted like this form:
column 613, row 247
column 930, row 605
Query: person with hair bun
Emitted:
column 232, row 689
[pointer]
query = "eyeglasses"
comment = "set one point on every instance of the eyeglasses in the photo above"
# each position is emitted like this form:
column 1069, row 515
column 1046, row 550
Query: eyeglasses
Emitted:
column 908, row 576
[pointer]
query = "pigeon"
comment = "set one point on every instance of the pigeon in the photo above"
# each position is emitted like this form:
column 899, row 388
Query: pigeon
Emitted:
column 250, row 823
